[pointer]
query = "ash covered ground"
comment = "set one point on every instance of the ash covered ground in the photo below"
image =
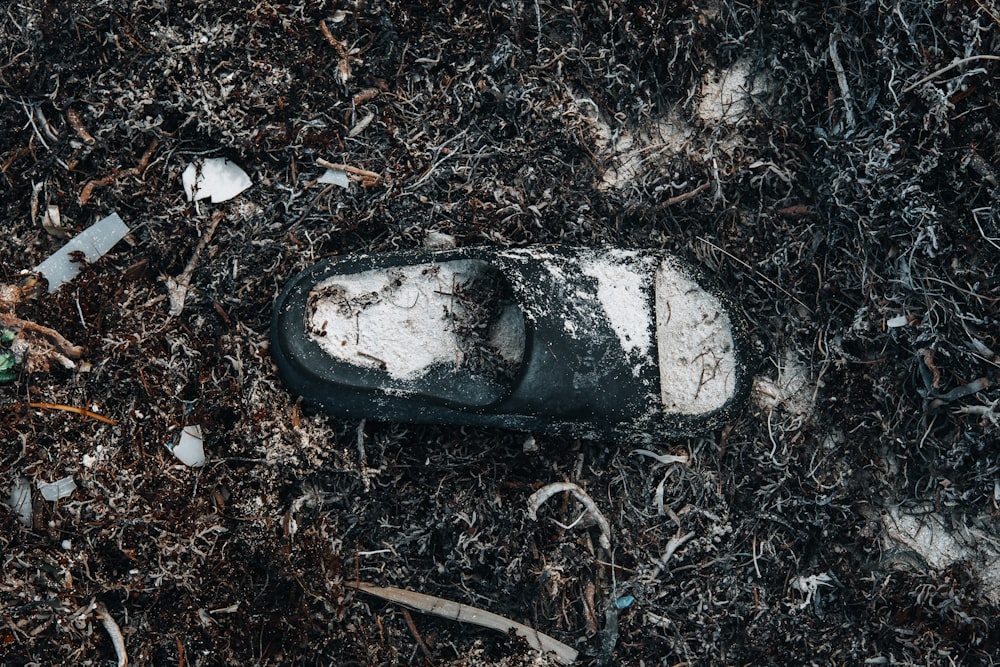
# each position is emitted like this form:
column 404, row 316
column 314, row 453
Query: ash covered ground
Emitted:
column 833, row 164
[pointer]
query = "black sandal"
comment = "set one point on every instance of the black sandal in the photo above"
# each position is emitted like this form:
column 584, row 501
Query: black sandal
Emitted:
column 590, row 343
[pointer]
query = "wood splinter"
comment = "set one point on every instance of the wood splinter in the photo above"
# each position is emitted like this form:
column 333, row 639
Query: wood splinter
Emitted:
column 456, row 611
column 117, row 639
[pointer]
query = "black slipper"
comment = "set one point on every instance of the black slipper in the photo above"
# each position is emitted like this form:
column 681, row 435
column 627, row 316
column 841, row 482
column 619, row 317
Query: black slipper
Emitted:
column 591, row 343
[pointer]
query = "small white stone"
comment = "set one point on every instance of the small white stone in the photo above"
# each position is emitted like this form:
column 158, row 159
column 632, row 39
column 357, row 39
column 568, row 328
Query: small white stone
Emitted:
column 436, row 239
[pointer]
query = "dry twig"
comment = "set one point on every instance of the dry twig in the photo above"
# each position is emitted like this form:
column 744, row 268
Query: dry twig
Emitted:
column 539, row 497
column 687, row 195
column 416, row 635
column 367, row 178
column 74, row 121
column 673, row 544
column 117, row 639
column 662, row 458
column 456, row 611
column 947, row 68
column 66, row 347
column 344, row 66
column 75, row 410
column 88, row 188
column 179, row 286
column 845, row 91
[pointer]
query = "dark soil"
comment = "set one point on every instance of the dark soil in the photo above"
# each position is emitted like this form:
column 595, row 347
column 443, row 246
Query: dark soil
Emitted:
column 843, row 186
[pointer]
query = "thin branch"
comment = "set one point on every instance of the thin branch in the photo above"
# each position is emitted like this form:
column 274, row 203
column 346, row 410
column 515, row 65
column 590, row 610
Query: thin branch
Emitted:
column 456, row 611
column 66, row 347
column 367, row 177
column 179, row 287
column 687, row 195
column 845, row 91
column 75, row 410
column 117, row 639
column 947, row 68
column 416, row 635
column 662, row 458
column 673, row 544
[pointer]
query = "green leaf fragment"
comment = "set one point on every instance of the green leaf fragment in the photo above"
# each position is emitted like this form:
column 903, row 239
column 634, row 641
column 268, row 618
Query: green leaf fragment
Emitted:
column 8, row 366
column 8, row 359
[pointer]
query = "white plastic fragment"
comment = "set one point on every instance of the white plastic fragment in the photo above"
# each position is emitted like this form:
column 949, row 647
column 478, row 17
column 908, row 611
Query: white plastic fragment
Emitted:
column 334, row 177
column 60, row 267
column 189, row 448
column 898, row 321
column 57, row 490
column 20, row 500
column 216, row 177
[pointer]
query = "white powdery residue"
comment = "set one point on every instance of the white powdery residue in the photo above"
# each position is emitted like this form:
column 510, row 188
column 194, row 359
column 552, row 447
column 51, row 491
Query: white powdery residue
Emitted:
column 727, row 95
column 634, row 153
column 622, row 285
column 695, row 344
column 403, row 325
column 792, row 391
column 927, row 534
column 629, row 152
column 556, row 271
column 507, row 334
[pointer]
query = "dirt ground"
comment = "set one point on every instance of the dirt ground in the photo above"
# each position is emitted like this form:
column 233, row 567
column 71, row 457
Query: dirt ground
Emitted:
column 833, row 163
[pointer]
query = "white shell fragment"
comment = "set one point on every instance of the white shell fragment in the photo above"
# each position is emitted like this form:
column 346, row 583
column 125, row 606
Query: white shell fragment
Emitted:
column 57, row 490
column 334, row 177
column 52, row 222
column 60, row 268
column 20, row 500
column 189, row 448
column 216, row 177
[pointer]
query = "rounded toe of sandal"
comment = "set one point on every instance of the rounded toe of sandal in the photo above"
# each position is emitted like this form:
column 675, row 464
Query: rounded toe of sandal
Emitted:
column 595, row 343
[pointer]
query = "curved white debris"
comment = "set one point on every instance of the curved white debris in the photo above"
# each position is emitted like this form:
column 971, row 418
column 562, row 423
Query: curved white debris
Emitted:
column 216, row 177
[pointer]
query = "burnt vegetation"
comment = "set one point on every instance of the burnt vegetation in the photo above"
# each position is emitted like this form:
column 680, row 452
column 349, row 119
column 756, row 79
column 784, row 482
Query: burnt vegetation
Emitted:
column 834, row 164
